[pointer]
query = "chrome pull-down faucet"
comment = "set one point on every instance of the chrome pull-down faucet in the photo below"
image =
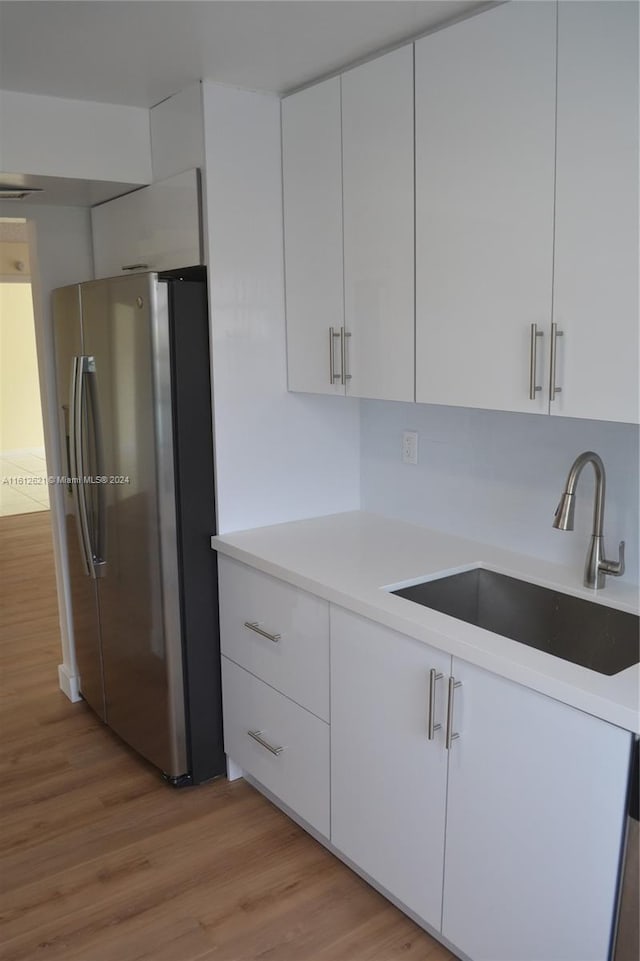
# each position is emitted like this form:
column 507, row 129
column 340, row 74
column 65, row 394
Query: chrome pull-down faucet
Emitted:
column 596, row 567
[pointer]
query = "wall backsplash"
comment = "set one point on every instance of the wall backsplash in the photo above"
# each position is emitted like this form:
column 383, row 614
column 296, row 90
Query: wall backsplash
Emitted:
column 497, row 477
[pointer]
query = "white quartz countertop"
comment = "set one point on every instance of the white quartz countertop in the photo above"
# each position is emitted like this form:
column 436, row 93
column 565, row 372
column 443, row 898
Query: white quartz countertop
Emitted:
column 352, row 559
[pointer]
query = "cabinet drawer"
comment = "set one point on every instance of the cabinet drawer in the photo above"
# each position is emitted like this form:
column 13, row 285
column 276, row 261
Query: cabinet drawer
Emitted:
column 299, row 773
column 297, row 662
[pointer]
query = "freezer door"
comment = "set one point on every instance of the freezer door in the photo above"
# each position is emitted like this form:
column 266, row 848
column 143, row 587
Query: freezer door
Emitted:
column 126, row 341
column 84, row 598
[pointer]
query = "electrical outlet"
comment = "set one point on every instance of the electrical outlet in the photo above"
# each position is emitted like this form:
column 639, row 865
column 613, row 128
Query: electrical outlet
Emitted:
column 410, row 447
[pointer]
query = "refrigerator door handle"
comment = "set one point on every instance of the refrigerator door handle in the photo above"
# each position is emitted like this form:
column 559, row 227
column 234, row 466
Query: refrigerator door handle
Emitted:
column 75, row 461
column 98, row 550
column 84, row 365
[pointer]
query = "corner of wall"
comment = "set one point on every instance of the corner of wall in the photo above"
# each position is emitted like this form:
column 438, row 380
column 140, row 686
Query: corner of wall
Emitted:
column 177, row 132
column 272, row 463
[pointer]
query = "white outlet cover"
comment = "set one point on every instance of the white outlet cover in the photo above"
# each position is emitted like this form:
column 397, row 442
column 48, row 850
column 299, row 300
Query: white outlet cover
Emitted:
column 410, row 447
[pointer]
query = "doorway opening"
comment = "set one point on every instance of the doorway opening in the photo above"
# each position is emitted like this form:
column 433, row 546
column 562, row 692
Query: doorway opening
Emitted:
column 23, row 467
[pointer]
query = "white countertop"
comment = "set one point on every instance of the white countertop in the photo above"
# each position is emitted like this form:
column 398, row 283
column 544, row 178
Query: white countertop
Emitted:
column 352, row 559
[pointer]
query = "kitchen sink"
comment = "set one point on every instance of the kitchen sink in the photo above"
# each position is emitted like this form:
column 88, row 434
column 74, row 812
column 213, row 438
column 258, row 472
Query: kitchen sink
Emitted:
column 592, row 635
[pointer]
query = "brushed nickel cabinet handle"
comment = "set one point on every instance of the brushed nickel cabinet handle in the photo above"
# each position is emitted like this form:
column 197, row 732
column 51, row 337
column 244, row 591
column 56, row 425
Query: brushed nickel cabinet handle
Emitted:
column 343, row 355
column 135, row 267
column 432, row 727
column 253, row 626
column 257, row 736
column 553, row 388
column 533, row 356
column 450, row 736
column 333, row 377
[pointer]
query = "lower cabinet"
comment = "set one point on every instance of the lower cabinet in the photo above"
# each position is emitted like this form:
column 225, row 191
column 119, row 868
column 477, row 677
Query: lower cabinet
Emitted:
column 388, row 780
column 522, row 815
column 493, row 813
column 535, row 820
column 283, row 746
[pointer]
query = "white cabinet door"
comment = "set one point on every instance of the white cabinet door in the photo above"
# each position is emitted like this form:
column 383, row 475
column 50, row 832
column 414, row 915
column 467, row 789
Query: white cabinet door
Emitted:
column 485, row 138
column 154, row 228
column 377, row 145
column 535, row 815
column 596, row 260
column 388, row 781
column 312, row 186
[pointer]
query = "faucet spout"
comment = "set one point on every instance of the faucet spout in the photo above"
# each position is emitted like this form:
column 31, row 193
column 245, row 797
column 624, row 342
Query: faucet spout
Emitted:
column 564, row 514
column 596, row 567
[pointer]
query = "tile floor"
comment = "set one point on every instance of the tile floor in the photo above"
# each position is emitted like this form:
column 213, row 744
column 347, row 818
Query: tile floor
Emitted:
column 23, row 481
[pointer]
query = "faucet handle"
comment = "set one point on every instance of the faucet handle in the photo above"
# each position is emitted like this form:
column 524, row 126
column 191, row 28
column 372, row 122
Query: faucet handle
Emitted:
column 615, row 568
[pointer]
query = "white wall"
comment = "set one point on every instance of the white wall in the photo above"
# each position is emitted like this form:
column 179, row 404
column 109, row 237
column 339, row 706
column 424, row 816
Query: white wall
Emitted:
column 177, row 133
column 60, row 247
column 497, row 477
column 20, row 409
column 279, row 456
column 54, row 137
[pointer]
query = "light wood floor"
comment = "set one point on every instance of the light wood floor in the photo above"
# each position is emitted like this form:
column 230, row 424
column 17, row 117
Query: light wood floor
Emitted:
column 103, row 862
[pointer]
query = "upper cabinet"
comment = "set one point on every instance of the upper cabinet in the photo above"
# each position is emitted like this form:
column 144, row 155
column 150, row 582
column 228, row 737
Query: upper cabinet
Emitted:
column 348, row 224
column 154, row 228
column 596, row 253
column 525, row 217
column 377, row 181
column 485, row 131
column 312, row 178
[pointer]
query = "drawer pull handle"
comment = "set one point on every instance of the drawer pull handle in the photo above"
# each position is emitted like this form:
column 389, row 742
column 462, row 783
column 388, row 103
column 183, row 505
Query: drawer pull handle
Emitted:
column 135, row 267
column 450, row 736
column 432, row 726
column 253, row 626
column 257, row 736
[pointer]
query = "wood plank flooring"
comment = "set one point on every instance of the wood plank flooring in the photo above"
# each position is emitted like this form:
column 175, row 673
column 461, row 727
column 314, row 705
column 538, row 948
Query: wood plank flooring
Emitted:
column 101, row 861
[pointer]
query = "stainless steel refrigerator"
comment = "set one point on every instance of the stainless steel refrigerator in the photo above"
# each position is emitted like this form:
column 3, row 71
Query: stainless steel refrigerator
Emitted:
column 134, row 410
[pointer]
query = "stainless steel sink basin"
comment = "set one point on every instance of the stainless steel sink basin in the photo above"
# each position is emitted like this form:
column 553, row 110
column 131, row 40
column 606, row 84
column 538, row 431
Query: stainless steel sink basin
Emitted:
column 601, row 638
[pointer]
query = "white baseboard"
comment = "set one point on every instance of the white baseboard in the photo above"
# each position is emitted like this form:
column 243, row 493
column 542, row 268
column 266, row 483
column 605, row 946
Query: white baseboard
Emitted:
column 69, row 683
column 21, row 451
column 233, row 770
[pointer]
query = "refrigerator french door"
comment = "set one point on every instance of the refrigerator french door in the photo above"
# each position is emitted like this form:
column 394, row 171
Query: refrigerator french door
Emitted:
column 135, row 416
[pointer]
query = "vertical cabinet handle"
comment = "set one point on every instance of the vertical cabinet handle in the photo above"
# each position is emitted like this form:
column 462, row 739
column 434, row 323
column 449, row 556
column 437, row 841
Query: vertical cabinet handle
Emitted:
column 333, row 377
column 450, row 737
column 344, row 334
column 553, row 388
column 431, row 726
column 533, row 355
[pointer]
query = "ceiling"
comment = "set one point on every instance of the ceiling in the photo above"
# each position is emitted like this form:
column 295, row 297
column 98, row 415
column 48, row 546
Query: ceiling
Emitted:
column 139, row 52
